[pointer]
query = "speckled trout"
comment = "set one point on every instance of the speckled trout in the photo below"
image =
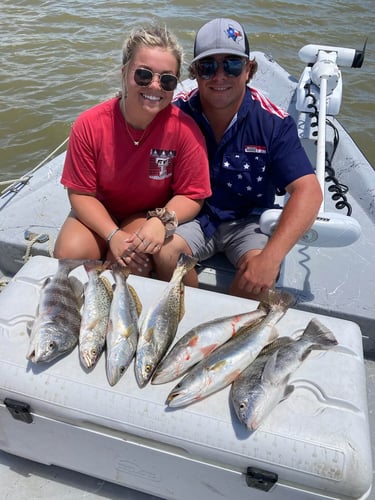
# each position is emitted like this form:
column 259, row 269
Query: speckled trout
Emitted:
column 224, row 364
column 95, row 313
column 200, row 341
column 56, row 327
column 159, row 326
column 122, row 331
column 264, row 384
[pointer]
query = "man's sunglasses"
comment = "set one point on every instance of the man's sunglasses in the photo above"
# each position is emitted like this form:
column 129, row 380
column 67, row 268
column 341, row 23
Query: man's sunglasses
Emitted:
column 207, row 68
column 143, row 77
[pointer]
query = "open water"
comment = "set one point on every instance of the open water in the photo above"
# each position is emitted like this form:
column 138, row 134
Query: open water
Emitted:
column 60, row 57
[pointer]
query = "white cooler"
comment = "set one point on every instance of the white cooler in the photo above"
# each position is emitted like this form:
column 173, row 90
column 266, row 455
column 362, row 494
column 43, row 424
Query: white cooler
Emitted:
column 315, row 444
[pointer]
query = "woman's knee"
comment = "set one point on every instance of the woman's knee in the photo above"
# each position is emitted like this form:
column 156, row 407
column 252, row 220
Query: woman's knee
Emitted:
column 76, row 241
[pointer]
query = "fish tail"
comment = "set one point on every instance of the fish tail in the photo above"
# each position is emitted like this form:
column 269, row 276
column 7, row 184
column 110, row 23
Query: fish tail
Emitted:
column 118, row 268
column 319, row 335
column 70, row 264
column 279, row 300
column 187, row 261
column 92, row 264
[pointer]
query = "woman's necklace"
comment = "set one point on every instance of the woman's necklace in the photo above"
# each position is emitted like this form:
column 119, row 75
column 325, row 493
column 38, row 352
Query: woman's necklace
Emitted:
column 135, row 142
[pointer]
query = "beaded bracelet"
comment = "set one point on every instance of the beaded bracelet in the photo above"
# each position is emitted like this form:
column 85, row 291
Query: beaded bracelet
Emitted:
column 168, row 218
column 111, row 234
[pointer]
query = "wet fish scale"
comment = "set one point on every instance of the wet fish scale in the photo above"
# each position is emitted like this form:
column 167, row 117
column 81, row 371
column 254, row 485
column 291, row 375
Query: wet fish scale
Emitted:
column 200, row 341
column 158, row 327
column 122, row 332
column 232, row 357
column 56, row 327
column 95, row 313
column 264, row 383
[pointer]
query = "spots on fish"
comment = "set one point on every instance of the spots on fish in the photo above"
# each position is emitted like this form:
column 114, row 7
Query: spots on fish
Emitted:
column 233, row 324
column 193, row 341
column 208, row 349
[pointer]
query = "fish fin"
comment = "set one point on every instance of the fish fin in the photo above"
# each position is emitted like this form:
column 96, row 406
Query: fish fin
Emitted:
column 264, row 306
column 77, row 288
column 46, row 282
column 275, row 344
column 321, row 336
column 108, row 285
column 208, row 349
column 182, row 301
column 137, row 300
column 218, row 365
column 193, row 341
column 289, row 389
column 268, row 374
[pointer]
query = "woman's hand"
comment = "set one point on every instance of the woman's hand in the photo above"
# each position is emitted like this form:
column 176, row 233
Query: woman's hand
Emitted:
column 121, row 250
column 148, row 238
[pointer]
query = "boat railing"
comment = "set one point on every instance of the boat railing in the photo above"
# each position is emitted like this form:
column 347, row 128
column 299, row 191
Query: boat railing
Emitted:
column 17, row 184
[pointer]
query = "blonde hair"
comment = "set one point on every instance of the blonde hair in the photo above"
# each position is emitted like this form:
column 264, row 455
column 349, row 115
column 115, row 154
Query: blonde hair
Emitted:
column 152, row 36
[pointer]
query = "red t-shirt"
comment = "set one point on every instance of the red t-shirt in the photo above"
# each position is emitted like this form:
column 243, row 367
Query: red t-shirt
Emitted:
column 170, row 160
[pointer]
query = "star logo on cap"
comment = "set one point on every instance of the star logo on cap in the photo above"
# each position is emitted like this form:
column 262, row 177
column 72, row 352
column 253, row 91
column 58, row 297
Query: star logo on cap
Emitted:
column 233, row 33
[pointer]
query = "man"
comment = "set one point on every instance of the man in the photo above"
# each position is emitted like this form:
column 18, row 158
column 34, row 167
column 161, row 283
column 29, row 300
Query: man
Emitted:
column 254, row 153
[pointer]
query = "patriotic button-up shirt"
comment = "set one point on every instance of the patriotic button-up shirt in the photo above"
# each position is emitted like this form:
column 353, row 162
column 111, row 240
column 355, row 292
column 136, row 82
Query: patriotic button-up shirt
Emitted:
column 258, row 156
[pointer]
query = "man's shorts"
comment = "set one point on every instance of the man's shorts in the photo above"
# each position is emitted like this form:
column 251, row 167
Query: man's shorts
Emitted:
column 233, row 238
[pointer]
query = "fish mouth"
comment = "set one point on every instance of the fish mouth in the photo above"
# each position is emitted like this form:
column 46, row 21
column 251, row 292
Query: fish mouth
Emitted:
column 31, row 356
column 178, row 398
column 142, row 378
column 87, row 360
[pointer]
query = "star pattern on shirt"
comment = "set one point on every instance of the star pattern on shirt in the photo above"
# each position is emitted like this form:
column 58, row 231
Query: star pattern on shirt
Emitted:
column 241, row 184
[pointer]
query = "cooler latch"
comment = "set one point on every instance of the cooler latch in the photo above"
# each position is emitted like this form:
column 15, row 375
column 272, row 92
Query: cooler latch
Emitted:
column 260, row 479
column 19, row 410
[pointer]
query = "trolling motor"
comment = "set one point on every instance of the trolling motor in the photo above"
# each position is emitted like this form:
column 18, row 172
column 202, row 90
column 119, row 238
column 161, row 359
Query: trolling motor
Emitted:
column 323, row 79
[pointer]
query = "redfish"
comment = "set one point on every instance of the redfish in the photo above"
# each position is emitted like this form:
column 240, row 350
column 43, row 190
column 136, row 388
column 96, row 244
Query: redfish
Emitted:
column 225, row 364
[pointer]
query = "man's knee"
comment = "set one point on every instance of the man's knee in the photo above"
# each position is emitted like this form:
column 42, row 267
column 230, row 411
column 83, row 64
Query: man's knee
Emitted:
column 166, row 259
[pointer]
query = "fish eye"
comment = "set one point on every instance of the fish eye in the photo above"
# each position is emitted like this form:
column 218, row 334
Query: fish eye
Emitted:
column 93, row 352
column 51, row 346
column 122, row 369
column 148, row 368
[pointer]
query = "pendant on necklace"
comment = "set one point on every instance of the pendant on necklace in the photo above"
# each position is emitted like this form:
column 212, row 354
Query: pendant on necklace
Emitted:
column 136, row 143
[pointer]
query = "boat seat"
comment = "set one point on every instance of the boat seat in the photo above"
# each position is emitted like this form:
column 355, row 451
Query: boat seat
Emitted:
column 215, row 273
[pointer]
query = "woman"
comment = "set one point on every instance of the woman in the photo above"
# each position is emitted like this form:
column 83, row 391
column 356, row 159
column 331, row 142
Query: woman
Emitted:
column 136, row 166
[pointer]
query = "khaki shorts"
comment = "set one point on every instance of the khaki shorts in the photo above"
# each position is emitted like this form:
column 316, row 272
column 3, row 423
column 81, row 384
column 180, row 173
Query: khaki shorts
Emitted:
column 233, row 238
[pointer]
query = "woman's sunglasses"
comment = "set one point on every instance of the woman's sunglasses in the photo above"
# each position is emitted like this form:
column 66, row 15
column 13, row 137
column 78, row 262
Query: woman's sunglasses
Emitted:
column 207, row 68
column 143, row 77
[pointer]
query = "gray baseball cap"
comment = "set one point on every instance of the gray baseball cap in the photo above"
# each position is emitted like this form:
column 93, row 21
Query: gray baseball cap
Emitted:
column 221, row 36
